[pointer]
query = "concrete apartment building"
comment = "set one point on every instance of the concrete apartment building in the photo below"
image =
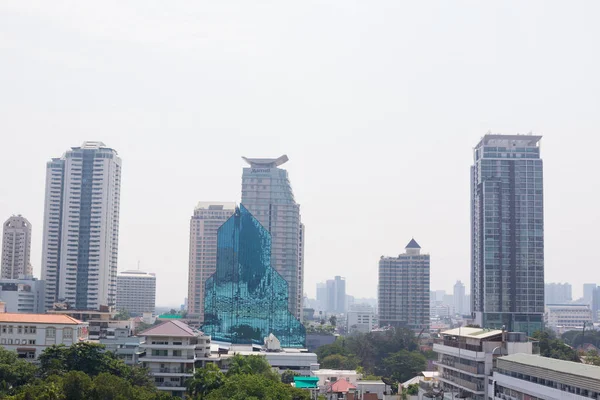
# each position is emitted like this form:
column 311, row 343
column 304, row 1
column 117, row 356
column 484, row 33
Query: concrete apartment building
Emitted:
column 466, row 358
column 81, row 227
column 124, row 345
column 558, row 293
column 403, row 291
column 268, row 196
column 16, row 248
column 171, row 352
column 136, row 292
column 30, row 334
column 207, row 218
column 507, row 231
column 533, row 377
column 567, row 317
column 361, row 318
column 22, row 295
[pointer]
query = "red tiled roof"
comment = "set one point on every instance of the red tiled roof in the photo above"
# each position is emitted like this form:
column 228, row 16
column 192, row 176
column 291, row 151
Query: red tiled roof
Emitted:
column 170, row 328
column 340, row 386
column 39, row 318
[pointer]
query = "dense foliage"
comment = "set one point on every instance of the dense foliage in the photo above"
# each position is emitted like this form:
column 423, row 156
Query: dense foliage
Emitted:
column 82, row 371
column 248, row 378
column 579, row 338
column 551, row 346
column 392, row 354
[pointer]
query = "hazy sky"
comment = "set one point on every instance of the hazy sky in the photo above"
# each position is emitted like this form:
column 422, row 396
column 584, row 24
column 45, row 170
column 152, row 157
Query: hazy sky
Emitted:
column 378, row 105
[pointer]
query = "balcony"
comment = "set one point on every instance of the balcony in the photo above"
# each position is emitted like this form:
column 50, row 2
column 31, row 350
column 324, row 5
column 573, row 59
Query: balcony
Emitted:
column 172, row 370
column 474, row 387
column 458, row 345
column 469, row 369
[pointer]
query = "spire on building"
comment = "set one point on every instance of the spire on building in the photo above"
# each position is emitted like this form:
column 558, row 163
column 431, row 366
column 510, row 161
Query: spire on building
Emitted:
column 412, row 244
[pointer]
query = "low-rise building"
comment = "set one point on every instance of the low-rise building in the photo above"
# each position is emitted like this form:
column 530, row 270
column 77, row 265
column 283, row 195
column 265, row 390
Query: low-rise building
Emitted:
column 564, row 317
column 124, row 345
column 30, row 334
column 23, row 295
column 466, row 356
column 172, row 350
column 361, row 318
column 533, row 377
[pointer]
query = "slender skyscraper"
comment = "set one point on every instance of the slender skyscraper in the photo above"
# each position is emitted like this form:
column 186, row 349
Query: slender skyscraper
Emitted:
column 207, row 219
column 267, row 194
column 507, row 224
column 403, row 291
column 459, row 297
column 16, row 248
column 81, row 227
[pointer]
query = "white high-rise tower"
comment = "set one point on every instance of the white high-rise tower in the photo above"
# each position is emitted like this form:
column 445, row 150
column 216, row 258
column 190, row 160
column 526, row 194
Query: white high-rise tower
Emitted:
column 16, row 248
column 267, row 194
column 81, row 227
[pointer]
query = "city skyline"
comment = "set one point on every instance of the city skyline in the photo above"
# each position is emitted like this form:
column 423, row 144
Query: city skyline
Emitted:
column 379, row 116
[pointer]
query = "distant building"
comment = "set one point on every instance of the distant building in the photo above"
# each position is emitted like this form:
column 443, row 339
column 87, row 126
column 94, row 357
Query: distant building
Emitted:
column 81, row 227
column 23, row 295
column 336, row 295
column 361, row 318
column 171, row 351
column 207, row 218
column 322, row 296
column 30, row 334
column 246, row 299
column 459, row 298
column 403, row 293
column 596, row 305
column 124, row 345
column 526, row 376
column 558, row 293
column 507, row 232
column 466, row 358
column 564, row 317
column 136, row 292
column 267, row 194
column 588, row 292
column 16, row 248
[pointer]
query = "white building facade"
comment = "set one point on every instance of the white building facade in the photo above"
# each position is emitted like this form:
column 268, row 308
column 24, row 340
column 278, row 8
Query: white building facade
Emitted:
column 533, row 377
column 22, row 295
column 81, row 227
column 361, row 318
column 136, row 292
column 16, row 248
column 563, row 317
column 267, row 194
column 207, row 219
column 30, row 334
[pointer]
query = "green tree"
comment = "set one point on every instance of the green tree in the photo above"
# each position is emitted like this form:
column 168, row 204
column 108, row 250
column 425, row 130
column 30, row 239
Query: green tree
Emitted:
column 251, row 365
column 552, row 347
column 403, row 365
column 256, row 387
column 592, row 358
column 122, row 315
column 288, row 376
column 205, row 380
column 14, row 372
column 76, row 385
column 111, row 387
column 333, row 320
column 338, row 361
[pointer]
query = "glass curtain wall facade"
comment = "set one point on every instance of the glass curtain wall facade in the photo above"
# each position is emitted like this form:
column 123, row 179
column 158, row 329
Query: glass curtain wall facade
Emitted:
column 246, row 299
column 507, row 224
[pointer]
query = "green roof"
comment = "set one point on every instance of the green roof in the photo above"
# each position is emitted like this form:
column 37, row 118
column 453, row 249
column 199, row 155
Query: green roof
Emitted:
column 565, row 367
column 306, row 382
column 169, row 316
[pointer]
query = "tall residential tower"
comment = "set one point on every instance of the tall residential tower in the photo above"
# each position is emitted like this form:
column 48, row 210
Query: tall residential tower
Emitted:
column 207, row 218
column 16, row 248
column 81, row 227
column 507, row 225
column 267, row 194
column 403, row 290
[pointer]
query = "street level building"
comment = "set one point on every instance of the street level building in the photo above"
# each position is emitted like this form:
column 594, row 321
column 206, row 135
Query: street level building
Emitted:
column 267, row 194
column 136, row 292
column 403, row 292
column 171, row 352
column 81, row 227
column 24, row 295
column 16, row 248
column 30, row 334
column 207, row 218
column 466, row 358
column 507, row 231
column 533, row 377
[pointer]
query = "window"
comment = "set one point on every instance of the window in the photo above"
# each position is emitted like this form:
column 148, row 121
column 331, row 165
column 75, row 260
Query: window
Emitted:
column 50, row 332
column 176, row 353
column 3, row 341
column 68, row 333
column 20, row 330
column 26, row 329
column 17, row 341
column 10, row 329
column 10, row 341
column 31, row 341
column 32, row 330
column 3, row 328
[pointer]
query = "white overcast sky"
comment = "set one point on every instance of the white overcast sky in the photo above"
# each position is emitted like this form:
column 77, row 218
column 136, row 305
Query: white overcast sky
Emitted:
column 378, row 105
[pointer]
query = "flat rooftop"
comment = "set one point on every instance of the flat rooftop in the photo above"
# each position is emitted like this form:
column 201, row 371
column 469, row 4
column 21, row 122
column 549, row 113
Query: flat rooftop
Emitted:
column 552, row 364
column 474, row 333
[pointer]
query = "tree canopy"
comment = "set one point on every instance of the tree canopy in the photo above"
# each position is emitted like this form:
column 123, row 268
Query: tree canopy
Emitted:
column 552, row 347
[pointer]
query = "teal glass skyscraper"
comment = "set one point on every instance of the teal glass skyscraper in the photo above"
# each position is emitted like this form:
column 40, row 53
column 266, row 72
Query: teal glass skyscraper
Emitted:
column 507, row 225
column 246, row 299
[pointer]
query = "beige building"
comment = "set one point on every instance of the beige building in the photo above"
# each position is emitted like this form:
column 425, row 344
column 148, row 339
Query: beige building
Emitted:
column 207, row 219
column 16, row 248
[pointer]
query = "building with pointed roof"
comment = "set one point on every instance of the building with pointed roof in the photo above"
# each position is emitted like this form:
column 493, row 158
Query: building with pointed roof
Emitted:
column 403, row 290
column 171, row 351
